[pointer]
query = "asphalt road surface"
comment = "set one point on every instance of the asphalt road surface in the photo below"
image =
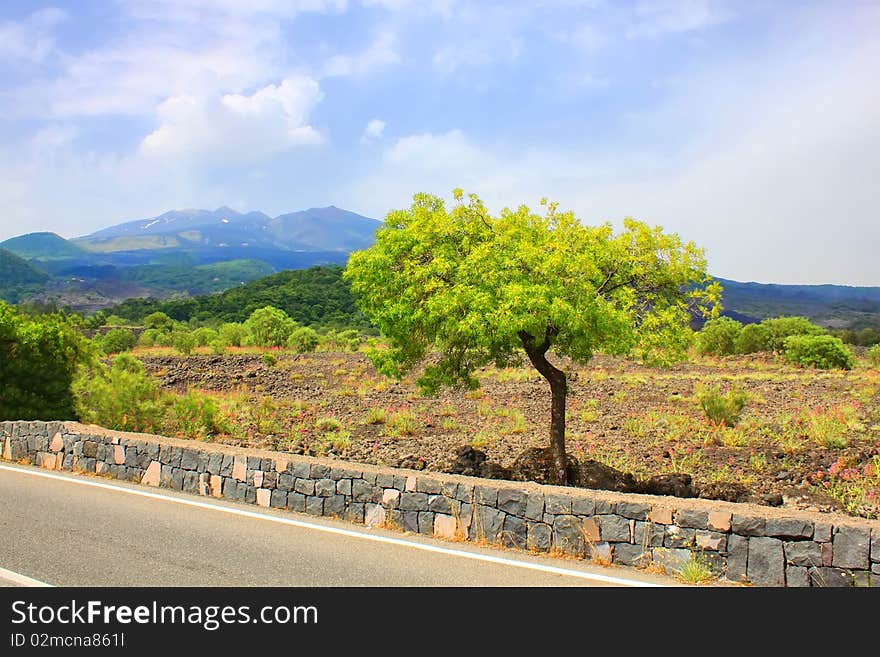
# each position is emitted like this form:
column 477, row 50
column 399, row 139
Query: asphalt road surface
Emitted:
column 72, row 530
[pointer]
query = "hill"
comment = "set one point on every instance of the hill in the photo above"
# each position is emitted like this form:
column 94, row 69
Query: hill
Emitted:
column 18, row 277
column 317, row 297
column 42, row 246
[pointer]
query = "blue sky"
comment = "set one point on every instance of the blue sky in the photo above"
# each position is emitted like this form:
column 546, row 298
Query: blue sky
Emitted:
column 752, row 128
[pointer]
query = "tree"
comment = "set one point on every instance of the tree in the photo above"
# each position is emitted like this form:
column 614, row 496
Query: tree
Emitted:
column 270, row 327
column 39, row 357
column 719, row 336
column 479, row 289
column 158, row 320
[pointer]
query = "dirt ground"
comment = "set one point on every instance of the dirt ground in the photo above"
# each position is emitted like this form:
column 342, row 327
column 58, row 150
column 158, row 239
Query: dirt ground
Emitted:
column 811, row 437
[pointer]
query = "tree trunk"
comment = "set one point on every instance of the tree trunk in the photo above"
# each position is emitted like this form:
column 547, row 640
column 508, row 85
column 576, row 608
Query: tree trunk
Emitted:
column 559, row 390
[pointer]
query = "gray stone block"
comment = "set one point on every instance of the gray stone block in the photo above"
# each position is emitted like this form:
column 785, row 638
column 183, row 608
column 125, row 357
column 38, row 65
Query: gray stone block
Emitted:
column 803, row 553
column 568, row 535
column 304, row 486
column 296, row 502
column 190, row 481
column 361, row 490
column 788, row 528
column 633, row 510
column 300, row 469
column 583, row 506
column 426, row 522
column 557, row 504
column 189, row 459
column 486, row 495
column 270, row 479
column 286, row 481
column 384, row 480
column 334, row 505
column 514, row 532
column 343, row 487
column 413, row 502
column 692, row 518
column 427, row 485
column 320, row 471
column 486, row 523
column 254, row 463
column 648, row 534
column 464, row 493
column 852, row 547
column 250, row 496
column 226, row 465
column 830, row 577
column 439, row 504
column 325, row 487
column 614, row 529
column 766, row 561
column 797, row 576
column 540, row 536
column 875, row 546
column 747, row 525
column 737, row 558
column 604, row 507
column 278, row 498
column 679, row 537
column 535, row 506
column 631, row 555
column 314, row 505
column 355, row 512
column 672, row 560
column 410, row 521
column 512, row 501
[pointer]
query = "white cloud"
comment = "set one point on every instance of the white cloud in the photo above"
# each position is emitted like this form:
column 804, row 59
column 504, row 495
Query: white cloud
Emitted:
column 31, row 39
column 373, row 130
column 237, row 127
column 658, row 17
column 380, row 53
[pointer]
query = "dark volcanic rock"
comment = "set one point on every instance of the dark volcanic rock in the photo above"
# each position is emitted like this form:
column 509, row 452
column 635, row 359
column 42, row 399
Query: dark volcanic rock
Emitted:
column 468, row 461
column 592, row 474
column 724, row 490
column 536, row 464
column 676, row 483
column 491, row 470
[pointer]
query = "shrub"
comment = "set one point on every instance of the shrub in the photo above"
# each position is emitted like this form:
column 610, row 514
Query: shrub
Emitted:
column 873, row 355
column 303, row 340
column 183, row 342
column 117, row 340
column 722, row 409
column 122, row 396
column 233, row 333
column 780, row 328
column 718, row 336
column 269, row 360
column 218, row 347
column 148, row 338
column 752, row 339
column 195, row 415
column 204, row 336
column 376, row 416
column 39, row 358
column 159, row 321
column 328, row 424
column 115, row 320
column 823, row 352
column 269, row 327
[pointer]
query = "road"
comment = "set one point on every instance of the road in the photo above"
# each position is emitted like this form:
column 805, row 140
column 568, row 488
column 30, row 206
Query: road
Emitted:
column 72, row 530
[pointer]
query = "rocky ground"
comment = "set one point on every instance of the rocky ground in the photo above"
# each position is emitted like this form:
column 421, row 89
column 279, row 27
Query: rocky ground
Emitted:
column 805, row 438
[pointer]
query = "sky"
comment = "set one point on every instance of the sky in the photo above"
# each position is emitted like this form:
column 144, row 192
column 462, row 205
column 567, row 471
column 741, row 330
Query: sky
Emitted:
column 750, row 127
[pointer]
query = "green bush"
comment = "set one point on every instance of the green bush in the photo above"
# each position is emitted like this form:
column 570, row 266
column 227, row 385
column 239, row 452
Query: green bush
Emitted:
column 148, row 338
column 115, row 320
column 823, row 352
column 269, row 327
column 752, row 339
column 304, row 340
column 722, row 409
column 122, row 396
column 184, row 342
column 233, row 333
column 195, row 416
column 718, row 336
column 218, row 347
column 873, row 355
column 780, row 328
column 158, row 320
column 269, row 360
column 204, row 336
column 117, row 340
column 39, row 358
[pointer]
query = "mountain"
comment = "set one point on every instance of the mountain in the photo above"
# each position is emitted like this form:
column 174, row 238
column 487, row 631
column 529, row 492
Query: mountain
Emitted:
column 43, row 246
column 212, row 233
column 18, row 277
column 832, row 306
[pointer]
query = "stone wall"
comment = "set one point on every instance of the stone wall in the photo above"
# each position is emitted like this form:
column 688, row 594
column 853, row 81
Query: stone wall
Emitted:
column 741, row 542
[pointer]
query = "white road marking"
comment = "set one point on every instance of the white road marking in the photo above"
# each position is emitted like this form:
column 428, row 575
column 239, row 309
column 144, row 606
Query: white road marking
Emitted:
column 545, row 568
column 20, row 580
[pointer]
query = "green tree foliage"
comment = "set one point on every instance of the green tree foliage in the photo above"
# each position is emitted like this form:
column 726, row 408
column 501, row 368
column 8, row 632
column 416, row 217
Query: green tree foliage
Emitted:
column 317, row 297
column 184, row 342
column 204, row 336
column 233, row 333
column 269, row 327
column 303, row 340
column 873, row 355
column 719, row 336
column 823, row 352
column 39, row 357
column 122, row 396
column 159, row 321
column 479, row 289
column 781, row 328
column 117, row 340
column 752, row 339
